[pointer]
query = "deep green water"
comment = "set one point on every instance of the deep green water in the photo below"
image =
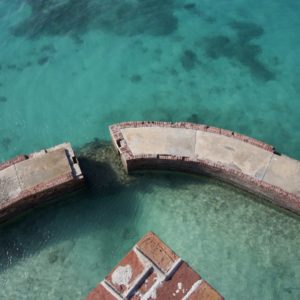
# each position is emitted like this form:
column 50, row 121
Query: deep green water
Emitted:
column 67, row 72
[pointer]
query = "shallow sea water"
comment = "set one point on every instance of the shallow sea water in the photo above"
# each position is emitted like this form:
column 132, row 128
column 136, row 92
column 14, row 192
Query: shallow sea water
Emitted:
column 68, row 71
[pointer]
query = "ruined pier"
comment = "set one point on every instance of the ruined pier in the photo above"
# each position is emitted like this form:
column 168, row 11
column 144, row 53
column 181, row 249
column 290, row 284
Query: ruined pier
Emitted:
column 29, row 180
column 232, row 157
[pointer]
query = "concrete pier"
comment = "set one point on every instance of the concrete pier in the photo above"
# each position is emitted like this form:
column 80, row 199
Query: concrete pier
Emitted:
column 29, row 180
column 151, row 270
column 230, row 156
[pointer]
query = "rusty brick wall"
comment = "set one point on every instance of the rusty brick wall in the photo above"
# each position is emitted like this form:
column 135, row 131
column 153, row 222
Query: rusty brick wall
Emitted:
column 30, row 198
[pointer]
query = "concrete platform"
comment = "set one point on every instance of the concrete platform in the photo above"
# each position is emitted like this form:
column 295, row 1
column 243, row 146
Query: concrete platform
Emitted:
column 29, row 180
column 151, row 270
column 232, row 157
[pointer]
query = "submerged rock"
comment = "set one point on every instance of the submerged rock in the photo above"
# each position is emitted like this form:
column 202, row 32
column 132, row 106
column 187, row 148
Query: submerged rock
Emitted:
column 42, row 60
column 49, row 48
column 59, row 252
column 189, row 6
column 189, row 60
column 5, row 143
column 3, row 98
column 136, row 78
column 12, row 66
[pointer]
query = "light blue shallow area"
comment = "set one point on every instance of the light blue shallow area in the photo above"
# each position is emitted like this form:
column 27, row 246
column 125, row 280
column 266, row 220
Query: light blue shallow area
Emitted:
column 69, row 70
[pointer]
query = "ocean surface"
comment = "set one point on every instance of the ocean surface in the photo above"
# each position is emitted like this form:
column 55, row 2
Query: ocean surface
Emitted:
column 69, row 68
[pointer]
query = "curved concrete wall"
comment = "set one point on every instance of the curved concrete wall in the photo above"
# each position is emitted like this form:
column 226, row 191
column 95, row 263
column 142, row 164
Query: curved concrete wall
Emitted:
column 229, row 156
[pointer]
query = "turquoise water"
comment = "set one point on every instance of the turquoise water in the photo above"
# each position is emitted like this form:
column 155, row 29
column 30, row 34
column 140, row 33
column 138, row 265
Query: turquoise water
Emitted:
column 69, row 70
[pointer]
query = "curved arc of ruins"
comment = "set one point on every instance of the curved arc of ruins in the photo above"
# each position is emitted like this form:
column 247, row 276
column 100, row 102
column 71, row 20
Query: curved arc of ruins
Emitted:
column 196, row 148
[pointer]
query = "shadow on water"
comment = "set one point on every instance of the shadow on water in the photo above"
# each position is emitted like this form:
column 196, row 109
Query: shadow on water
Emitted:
column 107, row 209
column 76, row 17
column 108, row 204
column 101, row 205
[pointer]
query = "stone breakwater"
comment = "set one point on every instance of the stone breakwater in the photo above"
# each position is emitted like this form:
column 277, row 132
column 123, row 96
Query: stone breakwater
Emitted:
column 29, row 180
column 235, row 158
column 151, row 270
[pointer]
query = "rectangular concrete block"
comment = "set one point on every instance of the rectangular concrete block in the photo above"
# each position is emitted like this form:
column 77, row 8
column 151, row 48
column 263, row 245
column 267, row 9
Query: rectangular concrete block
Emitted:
column 30, row 179
column 43, row 168
column 205, row 292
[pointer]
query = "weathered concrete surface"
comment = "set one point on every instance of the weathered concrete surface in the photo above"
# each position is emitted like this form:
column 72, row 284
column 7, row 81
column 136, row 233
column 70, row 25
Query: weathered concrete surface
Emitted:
column 151, row 270
column 42, row 169
column 28, row 179
column 160, row 140
column 232, row 153
column 232, row 157
column 9, row 184
column 284, row 172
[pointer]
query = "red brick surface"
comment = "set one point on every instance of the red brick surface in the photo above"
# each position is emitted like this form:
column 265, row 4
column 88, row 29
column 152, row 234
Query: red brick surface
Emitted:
column 161, row 255
column 100, row 293
column 154, row 284
column 133, row 262
column 178, row 285
column 206, row 292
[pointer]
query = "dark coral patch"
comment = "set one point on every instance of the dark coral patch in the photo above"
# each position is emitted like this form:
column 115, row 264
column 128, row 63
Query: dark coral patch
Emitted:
column 246, row 31
column 189, row 6
column 188, row 60
column 42, row 60
column 28, row 64
column 241, row 48
column 3, row 98
column 136, row 78
column 5, row 143
column 53, row 18
column 193, row 118
column 12, row 67
column 48, row 48
column 75, row 17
